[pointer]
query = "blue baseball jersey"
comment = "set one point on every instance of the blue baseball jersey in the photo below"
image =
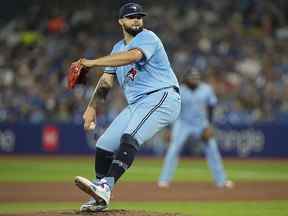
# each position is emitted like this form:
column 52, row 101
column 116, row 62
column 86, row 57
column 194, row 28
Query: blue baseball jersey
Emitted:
column 194, row 104
column 150, row 73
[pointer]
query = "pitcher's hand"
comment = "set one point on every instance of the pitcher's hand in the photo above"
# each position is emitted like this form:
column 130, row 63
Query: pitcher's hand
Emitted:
column 89, row 118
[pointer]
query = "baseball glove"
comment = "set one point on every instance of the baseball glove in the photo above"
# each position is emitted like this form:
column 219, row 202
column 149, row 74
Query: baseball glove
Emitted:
column 77, row 74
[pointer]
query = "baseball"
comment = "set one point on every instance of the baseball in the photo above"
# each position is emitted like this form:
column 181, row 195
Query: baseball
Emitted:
column 92, row 126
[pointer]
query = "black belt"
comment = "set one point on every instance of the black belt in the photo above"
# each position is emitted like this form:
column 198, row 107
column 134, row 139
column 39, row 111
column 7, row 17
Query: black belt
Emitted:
column 174, row 87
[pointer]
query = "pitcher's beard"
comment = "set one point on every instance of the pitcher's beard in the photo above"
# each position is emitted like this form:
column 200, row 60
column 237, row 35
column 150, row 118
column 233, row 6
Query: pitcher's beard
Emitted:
column 133, row 31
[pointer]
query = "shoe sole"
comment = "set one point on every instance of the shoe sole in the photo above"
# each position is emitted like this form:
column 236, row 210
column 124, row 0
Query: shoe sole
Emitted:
column 84, row 185
column 93, row 209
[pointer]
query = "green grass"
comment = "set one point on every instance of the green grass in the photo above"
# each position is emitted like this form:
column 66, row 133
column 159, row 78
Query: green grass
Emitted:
column 35, row 169
column 64, row 169
column 9, row 208
column 197, row 170
column 279, row 208
column 55, row 169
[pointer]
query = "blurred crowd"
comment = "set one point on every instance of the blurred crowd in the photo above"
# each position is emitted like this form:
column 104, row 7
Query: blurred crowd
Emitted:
column 240, row 47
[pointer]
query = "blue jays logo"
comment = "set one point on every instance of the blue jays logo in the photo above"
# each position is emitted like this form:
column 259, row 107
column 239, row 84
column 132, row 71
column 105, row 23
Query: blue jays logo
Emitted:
column 132, row 73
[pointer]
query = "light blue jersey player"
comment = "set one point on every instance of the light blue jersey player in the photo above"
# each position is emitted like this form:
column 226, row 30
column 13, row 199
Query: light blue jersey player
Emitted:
column 198, row 101
column 142, row 68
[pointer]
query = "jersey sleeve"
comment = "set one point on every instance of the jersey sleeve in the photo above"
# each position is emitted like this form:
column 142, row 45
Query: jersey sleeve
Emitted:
column 211, row 99
column 146, row 42
column 111, row 70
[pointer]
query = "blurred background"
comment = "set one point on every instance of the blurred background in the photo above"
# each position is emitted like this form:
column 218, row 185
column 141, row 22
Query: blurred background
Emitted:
column 239, row 46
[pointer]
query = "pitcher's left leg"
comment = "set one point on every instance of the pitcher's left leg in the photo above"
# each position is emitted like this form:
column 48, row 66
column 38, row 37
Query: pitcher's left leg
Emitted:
column 146, row 120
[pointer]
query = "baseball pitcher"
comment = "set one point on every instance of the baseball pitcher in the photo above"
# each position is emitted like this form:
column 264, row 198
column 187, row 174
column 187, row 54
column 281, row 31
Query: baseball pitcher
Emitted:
column 141, row 66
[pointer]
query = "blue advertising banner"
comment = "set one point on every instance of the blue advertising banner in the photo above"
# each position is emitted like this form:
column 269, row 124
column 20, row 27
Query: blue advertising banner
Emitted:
column 265, row 139
column 259, row 140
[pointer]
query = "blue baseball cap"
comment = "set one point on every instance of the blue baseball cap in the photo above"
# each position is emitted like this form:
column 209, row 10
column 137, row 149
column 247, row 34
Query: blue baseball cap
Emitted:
column 131, row 9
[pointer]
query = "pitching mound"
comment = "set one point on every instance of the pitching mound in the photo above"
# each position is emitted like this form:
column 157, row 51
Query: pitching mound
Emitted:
column 104, row 213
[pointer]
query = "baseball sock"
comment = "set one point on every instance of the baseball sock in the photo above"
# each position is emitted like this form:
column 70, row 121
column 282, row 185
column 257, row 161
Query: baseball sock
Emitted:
column 123, row 158
column 103, row 161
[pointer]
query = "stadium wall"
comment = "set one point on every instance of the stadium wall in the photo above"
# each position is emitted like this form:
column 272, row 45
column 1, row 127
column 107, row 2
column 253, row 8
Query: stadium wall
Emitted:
column 257, row 140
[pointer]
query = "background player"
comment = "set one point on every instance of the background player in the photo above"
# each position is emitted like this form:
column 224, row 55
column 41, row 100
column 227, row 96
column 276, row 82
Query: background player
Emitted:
column 198, row 102
column 151, row 88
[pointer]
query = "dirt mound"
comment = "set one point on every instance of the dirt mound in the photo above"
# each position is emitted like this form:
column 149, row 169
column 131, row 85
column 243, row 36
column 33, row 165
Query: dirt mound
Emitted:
column 104, row 213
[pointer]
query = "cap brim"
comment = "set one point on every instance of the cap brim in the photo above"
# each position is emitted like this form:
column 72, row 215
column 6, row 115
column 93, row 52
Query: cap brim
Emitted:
column 136, row 13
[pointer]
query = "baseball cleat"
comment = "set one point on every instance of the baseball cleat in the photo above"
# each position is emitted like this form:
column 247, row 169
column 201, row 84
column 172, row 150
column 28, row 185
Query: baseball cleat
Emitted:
column 228, row 184
column 92, row 206
column 100, row 191
column 163, row 184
